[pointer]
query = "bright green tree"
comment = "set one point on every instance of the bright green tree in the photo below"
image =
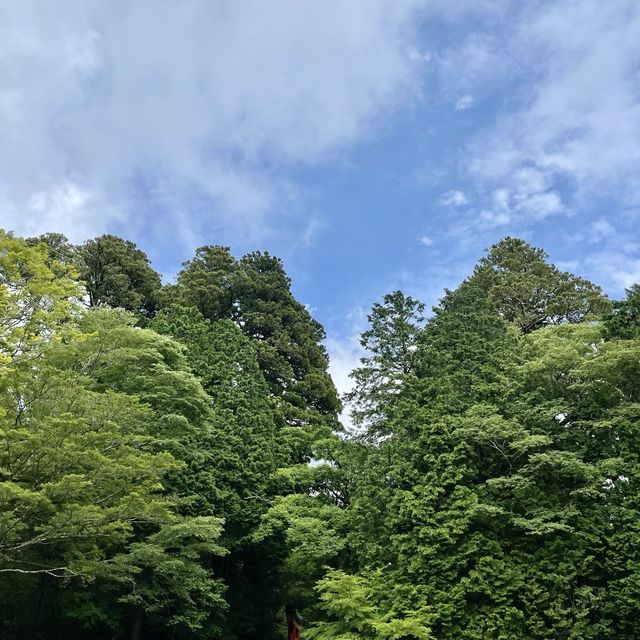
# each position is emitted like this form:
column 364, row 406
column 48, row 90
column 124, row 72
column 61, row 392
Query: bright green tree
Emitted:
column 89, row 409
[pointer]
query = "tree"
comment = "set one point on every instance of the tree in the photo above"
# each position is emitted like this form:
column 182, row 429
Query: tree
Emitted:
column 166, row 581
column 290, row 352
column 206, row 282
column 392, row 341
column 238, row 464
column 152, row 367
column 527, row 290
column 90, row 408
column 36, row 297
column 255, row 294
column 623, row 321
column 482, row 512
column 58, row 247
column 352, row 603
column 246, row 449
column 586, row 392
column 118, row 274
column 155, row 481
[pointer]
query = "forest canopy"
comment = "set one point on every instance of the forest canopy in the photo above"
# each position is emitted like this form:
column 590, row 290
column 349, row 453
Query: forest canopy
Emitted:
column 173, row 466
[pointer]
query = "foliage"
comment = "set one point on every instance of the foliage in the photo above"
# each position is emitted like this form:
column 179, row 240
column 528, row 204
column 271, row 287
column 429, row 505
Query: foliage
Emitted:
column 351, row 601
column 58, row 247
column 36, row 297
column 529, row 291
column 392, row 343
column 235, row 469
column 118, row 274
column 624, row 319
column 255, row 294
column 493, row 506
column 85, row 405
column 186, row 480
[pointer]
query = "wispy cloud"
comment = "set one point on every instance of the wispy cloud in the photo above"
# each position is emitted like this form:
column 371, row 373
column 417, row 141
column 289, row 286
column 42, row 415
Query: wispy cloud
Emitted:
column 577, row 116
column 345, row 352
column 465, row 102
column 313, row 229
column 615, row 269
column 553, row 154
column 455, row 198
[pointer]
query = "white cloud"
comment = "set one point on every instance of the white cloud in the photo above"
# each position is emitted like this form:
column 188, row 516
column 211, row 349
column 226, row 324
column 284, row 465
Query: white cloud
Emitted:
column 615, row 270
column 495, row 218
column 540, row 205
column 205, row 103
column 345, row 352
column 313, row 229
column 67, row 206
column 501, row 199
column 601, row 230
column 568, row 265
column 465, row 102
column 464, row 64
column 426, row 241
column 528, row 200
column 454, row 197
column 626, row 275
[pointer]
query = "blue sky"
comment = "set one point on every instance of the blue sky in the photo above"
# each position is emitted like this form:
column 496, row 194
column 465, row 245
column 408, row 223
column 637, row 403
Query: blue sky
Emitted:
column 372, row 144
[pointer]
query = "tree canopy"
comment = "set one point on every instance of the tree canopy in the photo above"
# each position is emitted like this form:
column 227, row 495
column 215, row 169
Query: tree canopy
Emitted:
column 172, row 465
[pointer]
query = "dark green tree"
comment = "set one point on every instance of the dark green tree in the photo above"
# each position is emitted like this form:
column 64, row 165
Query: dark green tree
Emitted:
column 624, row 319
column 290, row 352
column 255, row 294
column 118, row 274
column 238, row 465
column 482, row 514
column 206, row 282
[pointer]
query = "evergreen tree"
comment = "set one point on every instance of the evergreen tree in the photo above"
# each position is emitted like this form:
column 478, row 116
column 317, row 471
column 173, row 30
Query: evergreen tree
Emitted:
column 206, row 282
column 392, row 341
column 156, row 482
column 118, row 274
column 238, row 465
column 255, row 294
column 484, row 514
column 58, row 247
column 529, row 291
column 624, row 319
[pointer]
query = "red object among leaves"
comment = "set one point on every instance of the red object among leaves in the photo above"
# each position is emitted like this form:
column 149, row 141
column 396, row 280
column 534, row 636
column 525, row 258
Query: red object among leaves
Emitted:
column 293, row 625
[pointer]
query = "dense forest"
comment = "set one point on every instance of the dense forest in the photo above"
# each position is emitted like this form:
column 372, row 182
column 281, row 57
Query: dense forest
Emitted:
column 173, row 466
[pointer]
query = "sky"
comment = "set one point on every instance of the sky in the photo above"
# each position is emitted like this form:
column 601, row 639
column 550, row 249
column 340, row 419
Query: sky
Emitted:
column 371, row 144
